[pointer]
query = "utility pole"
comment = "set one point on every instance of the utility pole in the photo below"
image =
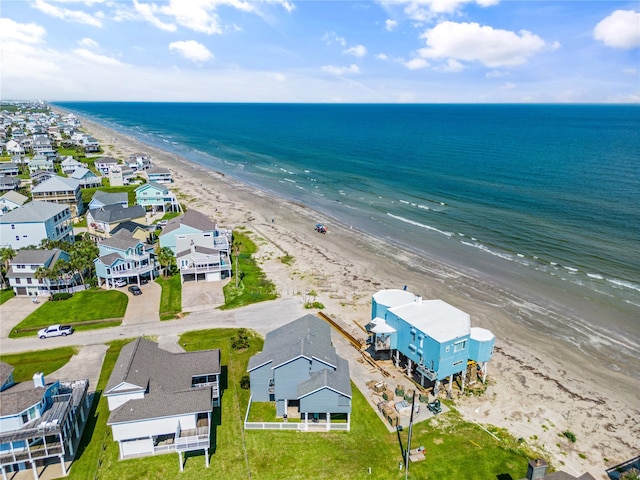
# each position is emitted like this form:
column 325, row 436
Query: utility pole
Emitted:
column 406, row 456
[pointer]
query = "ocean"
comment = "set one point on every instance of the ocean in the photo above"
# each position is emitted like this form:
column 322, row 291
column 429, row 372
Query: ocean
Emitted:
column 542, row 197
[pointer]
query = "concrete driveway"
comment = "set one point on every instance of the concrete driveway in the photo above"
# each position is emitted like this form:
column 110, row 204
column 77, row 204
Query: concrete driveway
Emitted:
column 198, row 296
column 143, row 308
column 87, row 363
column 14, row 310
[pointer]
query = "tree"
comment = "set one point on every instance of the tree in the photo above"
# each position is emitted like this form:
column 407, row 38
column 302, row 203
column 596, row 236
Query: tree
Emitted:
column 166, row 260
column 42, row 273
column 82, row 254
column 6, row 255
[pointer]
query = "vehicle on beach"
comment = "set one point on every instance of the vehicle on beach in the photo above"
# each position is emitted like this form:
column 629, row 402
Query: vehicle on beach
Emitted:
column 320, row 228
column 135, row 290
column 55, row 331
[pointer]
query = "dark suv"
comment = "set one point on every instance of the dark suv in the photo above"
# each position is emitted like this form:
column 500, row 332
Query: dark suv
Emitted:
column 135, row 290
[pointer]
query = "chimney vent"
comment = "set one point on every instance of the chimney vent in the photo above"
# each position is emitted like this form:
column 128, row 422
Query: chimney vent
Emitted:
column 418, row 298
column 38, row 379
column 537, row 469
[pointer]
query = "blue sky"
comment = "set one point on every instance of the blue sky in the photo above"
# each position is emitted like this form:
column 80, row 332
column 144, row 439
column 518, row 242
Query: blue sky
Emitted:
column 388, row 51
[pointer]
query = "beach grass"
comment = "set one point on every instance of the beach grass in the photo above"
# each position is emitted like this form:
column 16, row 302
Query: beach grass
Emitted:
column 171, row 297
column 99, row 307
column 45, row 361
column 454, row 448
column 6, row 294
column 253, row 285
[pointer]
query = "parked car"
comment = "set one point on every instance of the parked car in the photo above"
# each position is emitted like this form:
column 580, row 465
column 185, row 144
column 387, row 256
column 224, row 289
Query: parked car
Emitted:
column 163, row 223
column 55, row 331
column 121, row 282
column 135, row 290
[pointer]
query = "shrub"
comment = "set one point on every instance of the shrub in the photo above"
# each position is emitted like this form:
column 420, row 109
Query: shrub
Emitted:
column 245, row 382
column 570, row 435
column 316, row 305
column 240, row 340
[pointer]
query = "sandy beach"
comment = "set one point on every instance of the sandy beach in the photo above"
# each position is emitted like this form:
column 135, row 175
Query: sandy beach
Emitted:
column 538, row 387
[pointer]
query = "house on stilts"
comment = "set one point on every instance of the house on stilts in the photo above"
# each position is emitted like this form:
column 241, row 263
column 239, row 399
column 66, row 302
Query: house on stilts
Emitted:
column 433, row 340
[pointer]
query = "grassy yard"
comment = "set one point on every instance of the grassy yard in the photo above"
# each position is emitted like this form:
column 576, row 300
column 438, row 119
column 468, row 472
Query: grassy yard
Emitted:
column 87, row 193
column 454, row 448
column 171, row 297
column 90, row 305
column 45, row 361
column 253, row 286
column 6, row 294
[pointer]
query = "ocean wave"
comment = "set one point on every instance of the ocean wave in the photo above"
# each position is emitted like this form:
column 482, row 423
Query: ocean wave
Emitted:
column 624, row 284
column 484, row 248
column 595, row 276
column 421, row 225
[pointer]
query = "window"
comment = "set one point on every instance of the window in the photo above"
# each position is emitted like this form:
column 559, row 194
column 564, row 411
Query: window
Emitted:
column 13, row 227
column 459, row 346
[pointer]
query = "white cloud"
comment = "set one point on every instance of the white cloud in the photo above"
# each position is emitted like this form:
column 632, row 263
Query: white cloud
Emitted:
column 148, row 12
column 508, row 86
column 416, row 64
column 341, row 71
column 621, row 29
column 630, row 70
column 192, row 50
column 475, row 43
column 69, row 15
column 496, row 74
column 357, row 51
column 330, row 38
column 451, row 66
column 382, row 56
column 390, row 25
column 96, row 58
column 20, row 33
column 423, row 10
column 88, row 43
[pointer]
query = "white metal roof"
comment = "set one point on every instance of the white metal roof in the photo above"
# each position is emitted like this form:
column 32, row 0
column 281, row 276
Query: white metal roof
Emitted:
column 436, row 318
column 393, row 297
column 481, row 334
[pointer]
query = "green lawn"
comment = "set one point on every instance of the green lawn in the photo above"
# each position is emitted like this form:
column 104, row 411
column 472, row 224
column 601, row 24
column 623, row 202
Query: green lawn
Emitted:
column 90, row 305
column 87, row 193
column 171, row 297
column 253, row 285
column 455, row 448
column 6, row 294
column 45, row 361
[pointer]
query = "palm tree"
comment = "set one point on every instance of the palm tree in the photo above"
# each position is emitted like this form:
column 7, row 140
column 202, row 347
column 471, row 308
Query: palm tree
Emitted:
column 82, row 254
column 6, row 255
column 43, row 273
column 166, row 260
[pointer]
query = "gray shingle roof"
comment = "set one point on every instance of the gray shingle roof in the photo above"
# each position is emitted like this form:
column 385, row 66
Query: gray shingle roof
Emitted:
column 15, row 197
column 5, row 372
column 193, row 219
column 121, row 240
column 56, row 184
column 307, row 336
column 166, row 375
column 35, row 211
column 19, row 397
column 107, row 198
column 116, row 213
column 338, row 380
column 36, row 257
column 109, row 259
column 129, row 226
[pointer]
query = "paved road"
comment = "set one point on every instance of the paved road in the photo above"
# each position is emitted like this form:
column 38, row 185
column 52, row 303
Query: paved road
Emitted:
column 261, row 317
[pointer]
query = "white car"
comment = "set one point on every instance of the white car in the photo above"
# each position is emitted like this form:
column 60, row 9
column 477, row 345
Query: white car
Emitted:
column 55, row 331
column 121, row 282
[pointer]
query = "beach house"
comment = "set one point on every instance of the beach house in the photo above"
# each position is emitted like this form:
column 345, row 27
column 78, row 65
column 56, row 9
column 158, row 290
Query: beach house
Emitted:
column 86, row 177
column 61, row 190
column 159, row 175
column 101, row 221
column 123, row 257
column 197, row 224
column 155, row 197
column 102, row 199
column 299, row 371
column 41, row 422
column 431, row 339
column 33, row 222
column 162, row 402
column 25, row 278
column 11, row 200
column 104, row 164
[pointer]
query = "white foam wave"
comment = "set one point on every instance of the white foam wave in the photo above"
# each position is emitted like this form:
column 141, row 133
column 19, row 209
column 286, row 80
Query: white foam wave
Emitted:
column 596, row 276
column 421, row 225
column 484, row 248
column 624, row 284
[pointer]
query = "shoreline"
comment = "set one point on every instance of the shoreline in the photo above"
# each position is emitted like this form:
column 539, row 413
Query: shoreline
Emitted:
column 534, row 380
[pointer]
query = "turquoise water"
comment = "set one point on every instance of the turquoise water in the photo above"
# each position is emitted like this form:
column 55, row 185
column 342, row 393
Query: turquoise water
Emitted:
column 553, row 190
